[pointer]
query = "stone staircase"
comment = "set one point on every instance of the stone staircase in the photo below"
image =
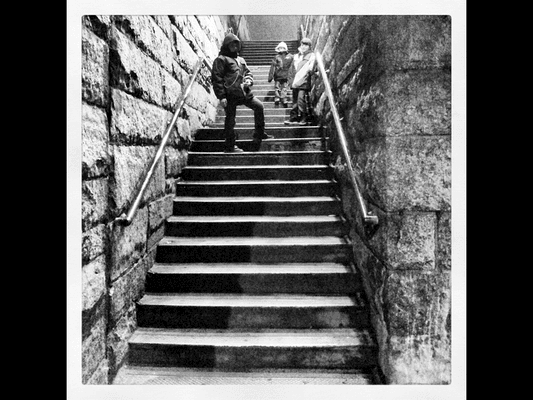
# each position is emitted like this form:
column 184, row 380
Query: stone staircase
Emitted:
column 254, row 281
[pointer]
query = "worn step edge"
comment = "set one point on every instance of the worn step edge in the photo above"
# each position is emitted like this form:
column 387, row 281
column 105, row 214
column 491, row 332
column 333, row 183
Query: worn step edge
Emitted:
column 255, row 199
column 251, row 268
column 152, row 375
column 310, row 338
column 254, row 241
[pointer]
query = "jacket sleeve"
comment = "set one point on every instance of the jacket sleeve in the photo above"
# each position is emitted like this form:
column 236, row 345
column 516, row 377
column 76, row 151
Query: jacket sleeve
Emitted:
column 272, row 69
column 217, row 78
column 248, row 77
column 291, row 73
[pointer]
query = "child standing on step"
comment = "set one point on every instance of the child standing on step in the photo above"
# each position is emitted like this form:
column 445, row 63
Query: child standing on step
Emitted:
column 300, row 81
column 279, row 70
column 232, row 80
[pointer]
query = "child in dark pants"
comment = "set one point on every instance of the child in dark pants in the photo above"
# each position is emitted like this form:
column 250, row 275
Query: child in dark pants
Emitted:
column 300, row 81
column 279, row 70
column 232, row 81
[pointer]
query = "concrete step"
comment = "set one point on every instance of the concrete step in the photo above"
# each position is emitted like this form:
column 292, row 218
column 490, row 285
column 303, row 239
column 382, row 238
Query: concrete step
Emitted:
column 270, row 110
column 296, row 278
column 267, row 172
column 242, row 350
column 255, row 205
column 254, row 249
column 250, row 311
column 279, row 188
column 272, row 145
column 260, row 158
column 150, row 375
column 291, row 131
column 260, row 225
column 248, row 118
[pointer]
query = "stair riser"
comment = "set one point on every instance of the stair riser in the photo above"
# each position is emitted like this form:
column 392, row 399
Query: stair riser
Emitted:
column 249, row 119
column 250, row 317
column 266, row 189
column 278, row 133
column 248, row 229
column 253, row 283
column 266, row 145
column 190, row 174
column 256, row 208
column 243, row 358
column 269, row 112
column 254, row 254
column 259, row 159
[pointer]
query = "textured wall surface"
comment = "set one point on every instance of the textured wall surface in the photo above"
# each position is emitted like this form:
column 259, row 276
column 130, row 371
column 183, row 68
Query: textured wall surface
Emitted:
column 134, row 69
column 391, row 79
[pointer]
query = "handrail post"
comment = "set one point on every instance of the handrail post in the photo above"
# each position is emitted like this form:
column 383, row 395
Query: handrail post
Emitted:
column 126, row 219
column 367, row 215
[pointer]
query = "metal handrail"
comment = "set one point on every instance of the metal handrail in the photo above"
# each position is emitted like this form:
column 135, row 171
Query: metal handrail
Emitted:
column 368, row 217
column 126, row 219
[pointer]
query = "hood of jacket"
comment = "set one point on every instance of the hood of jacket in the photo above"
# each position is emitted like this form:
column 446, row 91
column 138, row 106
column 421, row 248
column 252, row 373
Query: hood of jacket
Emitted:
column 224, row 49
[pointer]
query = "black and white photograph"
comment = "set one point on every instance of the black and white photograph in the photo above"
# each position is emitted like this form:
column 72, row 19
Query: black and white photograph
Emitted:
column 260, row 200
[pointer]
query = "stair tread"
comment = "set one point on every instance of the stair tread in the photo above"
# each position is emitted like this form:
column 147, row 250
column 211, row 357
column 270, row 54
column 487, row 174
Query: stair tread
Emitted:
column 249, row 268
column 248, row 300
column 253, row 241
column 260, row 153
column 138, row 375
column 244, row 167
column 263, row 338
column 253, row 199
column 257, row 182
column 254, row 218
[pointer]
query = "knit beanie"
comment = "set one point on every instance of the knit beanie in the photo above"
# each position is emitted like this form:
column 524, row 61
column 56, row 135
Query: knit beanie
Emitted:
column 282, row 46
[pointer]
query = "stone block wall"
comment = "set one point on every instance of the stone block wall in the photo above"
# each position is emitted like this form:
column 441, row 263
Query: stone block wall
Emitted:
column 391, row 77
column 134, row 69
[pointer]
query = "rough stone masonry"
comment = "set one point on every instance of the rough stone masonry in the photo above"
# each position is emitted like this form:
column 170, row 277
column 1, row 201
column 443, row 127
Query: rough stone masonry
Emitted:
column 134, row 69
column 391, row 76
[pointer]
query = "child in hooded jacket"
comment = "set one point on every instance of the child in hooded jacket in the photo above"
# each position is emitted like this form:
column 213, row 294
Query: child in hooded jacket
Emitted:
column 300, row 74
column 279, row 70
column 232, row 80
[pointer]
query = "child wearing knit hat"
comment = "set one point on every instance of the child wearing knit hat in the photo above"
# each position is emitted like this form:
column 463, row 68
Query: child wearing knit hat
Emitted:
column 278, row 72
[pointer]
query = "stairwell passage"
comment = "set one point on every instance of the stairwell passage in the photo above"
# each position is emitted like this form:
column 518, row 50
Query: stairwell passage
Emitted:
column 254, row 281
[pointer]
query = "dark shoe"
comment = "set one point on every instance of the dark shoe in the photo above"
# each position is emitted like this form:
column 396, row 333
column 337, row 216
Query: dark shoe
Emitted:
column 285, row 104
column 265, row 136
column 234, row 150
column 276, row 103
column 304, row 122
column 291, row 122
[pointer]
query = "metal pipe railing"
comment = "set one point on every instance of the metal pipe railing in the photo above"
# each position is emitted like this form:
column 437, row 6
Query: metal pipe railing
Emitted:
column 368, row 217
column 126, row 219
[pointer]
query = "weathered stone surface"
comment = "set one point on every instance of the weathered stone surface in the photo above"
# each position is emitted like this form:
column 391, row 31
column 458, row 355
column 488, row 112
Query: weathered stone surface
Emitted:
column 444, row 241
column 410, row 241
column 131, row 165
column 149, row 37
column 93, row 348
column 415, row 41
column 135, row 121
column 94, row 69
column 95, row 202
column 95, row 138
column 172, row 91
column 93, row 282
column 414, row 103
column 133, row 71
column 418, row 316
column 117, row 339
column 175, row 161
column 198, row 39
column 186, row 57
column 94, row 243
column 100, row 376
column 126, row 289
column 129, row 243
column 409, row 173
column 158, row 211
column 164, row 23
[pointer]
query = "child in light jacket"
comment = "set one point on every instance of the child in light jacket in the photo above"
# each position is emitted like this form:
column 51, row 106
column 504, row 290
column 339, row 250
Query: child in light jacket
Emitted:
column 300, row 74
column 279, row 70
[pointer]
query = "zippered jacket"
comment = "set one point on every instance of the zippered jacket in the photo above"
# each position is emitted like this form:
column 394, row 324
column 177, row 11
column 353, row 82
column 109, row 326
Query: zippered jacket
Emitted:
column 301, row 70
column 279, row 69
column 230, row 72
